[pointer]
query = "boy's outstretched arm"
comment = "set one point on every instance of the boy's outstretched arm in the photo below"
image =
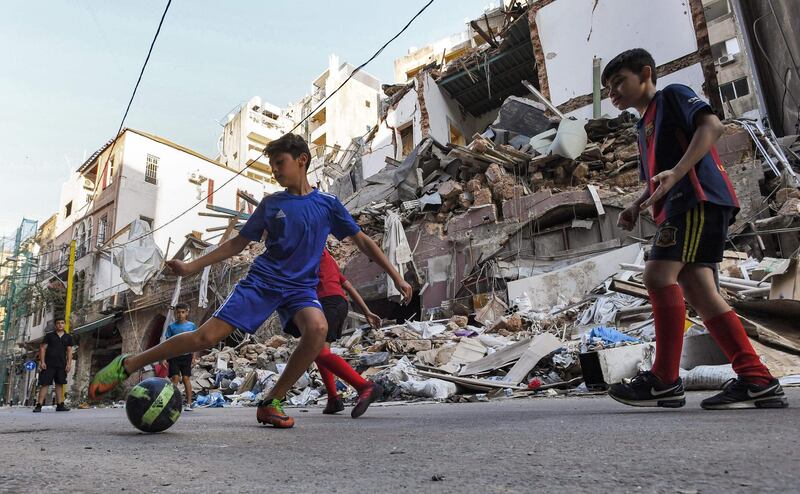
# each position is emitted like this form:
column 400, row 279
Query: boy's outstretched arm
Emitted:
column 227, row 249
column 372, row 319
column 371, row 249
column 708, row 129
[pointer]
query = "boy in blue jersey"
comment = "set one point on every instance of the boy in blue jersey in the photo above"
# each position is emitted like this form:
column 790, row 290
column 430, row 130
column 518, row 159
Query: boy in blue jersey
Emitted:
column 180, row 367
column 294, row 225
column 692, row 202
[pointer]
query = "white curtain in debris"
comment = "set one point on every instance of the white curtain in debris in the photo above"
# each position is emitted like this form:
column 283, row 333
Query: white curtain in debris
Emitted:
column 203, row 298
column 176, row 294
column 139, row 259
column 397, row 250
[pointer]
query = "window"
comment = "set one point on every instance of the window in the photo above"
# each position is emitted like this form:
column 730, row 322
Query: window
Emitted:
column 716, row 10
column 79, row 236
column 80, row 289
column 407, row 139
column 151, row 171
column 734, row 89
column 367, row 102
column 456, row 137
column 725, row 48
column 87, row 241
column 68, row 209
column 108, row 173
column 147, row 220
column 101, row 230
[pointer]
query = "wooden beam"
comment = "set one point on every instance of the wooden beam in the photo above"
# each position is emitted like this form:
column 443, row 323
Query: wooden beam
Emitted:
column 247, row 197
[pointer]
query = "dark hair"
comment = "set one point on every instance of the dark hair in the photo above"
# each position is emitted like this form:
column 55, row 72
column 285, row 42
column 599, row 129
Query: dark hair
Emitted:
column 634, row 60
column 181, row 306
column 289, row 143
column 59, row 318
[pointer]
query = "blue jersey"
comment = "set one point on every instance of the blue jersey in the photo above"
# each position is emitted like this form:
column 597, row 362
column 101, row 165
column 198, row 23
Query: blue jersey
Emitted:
column 296, row 230
column 665, row 131
column 177, row 328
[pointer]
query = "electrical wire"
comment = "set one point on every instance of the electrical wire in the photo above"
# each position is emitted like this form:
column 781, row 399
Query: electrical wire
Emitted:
column 128, row 108
column 240, row 172
column 320, row 105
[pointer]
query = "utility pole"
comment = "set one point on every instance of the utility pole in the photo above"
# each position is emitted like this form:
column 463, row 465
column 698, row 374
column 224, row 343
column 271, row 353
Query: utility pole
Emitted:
column 70, row 279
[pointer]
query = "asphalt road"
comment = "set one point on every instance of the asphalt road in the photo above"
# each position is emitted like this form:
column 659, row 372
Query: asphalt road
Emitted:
column 586, row 444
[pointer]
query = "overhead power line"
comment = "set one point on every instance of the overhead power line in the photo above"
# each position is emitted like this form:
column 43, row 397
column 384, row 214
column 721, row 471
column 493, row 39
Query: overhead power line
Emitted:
column 356, row 70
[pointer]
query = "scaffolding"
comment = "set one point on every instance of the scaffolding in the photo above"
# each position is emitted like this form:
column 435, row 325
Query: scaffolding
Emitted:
column 17, row 253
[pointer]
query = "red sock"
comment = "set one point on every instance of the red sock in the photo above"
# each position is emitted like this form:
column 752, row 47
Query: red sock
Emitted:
column 341, row 368
column 328, row 380
column 669, row 312
column 727, row 329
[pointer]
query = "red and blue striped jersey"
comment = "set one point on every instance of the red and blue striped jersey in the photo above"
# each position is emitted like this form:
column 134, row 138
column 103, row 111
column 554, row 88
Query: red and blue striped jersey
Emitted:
column 665, row 131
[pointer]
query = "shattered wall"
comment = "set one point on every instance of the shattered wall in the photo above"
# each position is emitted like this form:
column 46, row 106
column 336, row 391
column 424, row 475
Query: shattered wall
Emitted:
column 668, row 29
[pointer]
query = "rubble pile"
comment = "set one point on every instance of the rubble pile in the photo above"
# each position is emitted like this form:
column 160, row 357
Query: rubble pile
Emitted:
column 516, row 156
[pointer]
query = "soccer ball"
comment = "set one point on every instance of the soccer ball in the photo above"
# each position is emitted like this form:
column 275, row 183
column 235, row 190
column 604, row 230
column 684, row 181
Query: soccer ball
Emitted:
column 154, row 405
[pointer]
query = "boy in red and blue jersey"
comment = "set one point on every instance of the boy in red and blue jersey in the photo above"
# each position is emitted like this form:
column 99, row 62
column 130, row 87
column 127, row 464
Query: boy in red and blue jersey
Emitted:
column 692, row 202
column 294, row 225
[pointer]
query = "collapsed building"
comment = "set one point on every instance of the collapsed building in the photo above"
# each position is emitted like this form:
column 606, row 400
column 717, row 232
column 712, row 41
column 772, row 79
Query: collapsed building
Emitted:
column 493, row 182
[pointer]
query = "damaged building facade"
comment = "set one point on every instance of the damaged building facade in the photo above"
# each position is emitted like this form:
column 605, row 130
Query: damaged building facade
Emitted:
column 457, row 138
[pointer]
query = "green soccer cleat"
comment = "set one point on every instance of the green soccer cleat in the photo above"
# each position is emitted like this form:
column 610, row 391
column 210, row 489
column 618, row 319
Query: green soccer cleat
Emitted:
column 108, row 378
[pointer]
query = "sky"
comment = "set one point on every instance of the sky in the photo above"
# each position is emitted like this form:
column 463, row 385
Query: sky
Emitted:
column 67, row 70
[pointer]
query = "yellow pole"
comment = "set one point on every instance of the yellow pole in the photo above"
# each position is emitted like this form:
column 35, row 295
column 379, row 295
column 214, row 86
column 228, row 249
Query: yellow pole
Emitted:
column 68, row 310
column 70, row 275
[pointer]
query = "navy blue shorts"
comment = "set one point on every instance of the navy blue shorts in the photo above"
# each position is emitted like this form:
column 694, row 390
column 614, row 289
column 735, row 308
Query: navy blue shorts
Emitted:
column 696, row 236
column 253, row 300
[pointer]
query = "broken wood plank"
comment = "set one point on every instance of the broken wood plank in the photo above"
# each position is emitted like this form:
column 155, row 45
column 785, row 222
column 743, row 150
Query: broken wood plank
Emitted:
column 542, row 345
column 247, row 197
column 629, row 288
column 471, row 382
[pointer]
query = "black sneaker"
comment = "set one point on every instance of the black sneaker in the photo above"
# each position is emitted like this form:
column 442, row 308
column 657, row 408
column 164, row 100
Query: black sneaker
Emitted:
column 365, row 399
column 37, row 408
column 334, row 405
column 647, row 390
column 738, row 394
column 61, row 407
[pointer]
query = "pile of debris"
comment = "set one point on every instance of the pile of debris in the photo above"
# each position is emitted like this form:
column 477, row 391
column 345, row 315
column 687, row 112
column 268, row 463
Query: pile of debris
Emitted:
column 523, row 151
column 516, row 349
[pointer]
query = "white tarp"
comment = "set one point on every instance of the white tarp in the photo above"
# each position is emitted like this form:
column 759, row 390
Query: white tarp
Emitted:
column 176, row 294
column 395, row 246
column 202, row 301
column 139, row 258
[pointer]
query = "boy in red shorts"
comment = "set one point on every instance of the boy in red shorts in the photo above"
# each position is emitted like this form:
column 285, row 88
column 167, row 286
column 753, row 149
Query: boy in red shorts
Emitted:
column 693, row 202
column 330, row 291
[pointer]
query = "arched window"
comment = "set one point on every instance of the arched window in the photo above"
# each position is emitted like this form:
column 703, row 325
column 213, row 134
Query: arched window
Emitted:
column 79, row 236
column 88, row 222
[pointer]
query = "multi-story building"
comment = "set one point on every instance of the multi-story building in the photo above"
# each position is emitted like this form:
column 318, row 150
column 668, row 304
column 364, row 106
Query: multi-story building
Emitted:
column 247, row 129
column 141, row 177
column 445, row 50
column 733, row 72
column 148, row 178
column 349, row 113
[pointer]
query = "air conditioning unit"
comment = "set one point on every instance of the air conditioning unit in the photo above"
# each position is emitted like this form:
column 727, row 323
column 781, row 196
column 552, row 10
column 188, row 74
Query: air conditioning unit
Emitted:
column 725, row 60
column 196, row 178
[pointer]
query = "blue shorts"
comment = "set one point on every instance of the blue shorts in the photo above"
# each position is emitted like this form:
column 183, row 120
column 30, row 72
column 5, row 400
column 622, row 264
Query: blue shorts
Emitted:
column 253, row 300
